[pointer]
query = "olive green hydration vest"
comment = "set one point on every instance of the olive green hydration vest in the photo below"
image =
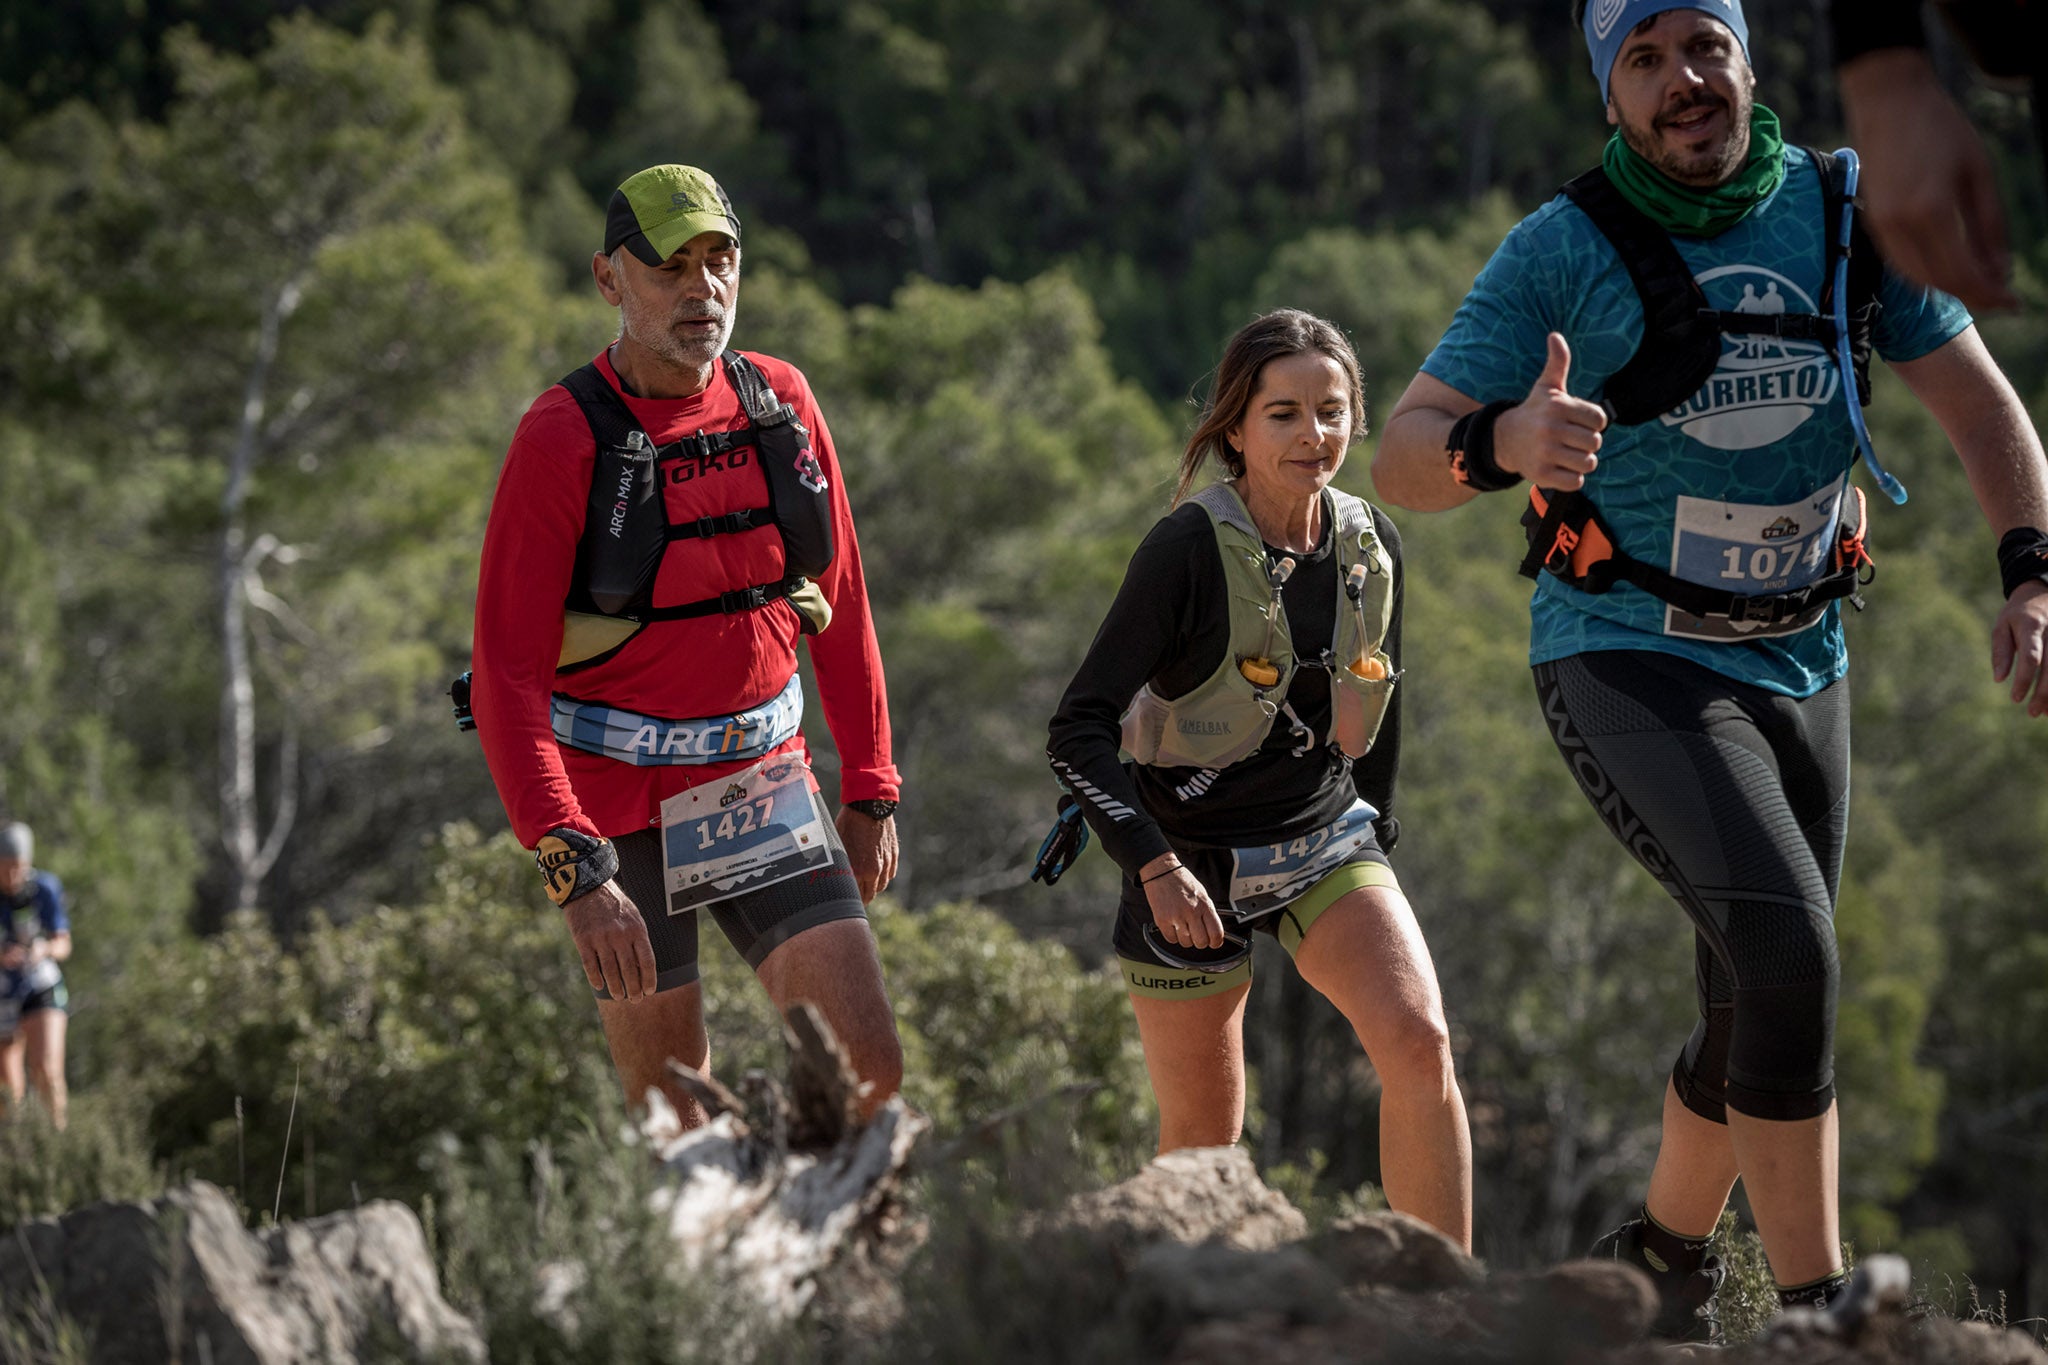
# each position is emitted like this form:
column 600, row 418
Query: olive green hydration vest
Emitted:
column 1225, row 718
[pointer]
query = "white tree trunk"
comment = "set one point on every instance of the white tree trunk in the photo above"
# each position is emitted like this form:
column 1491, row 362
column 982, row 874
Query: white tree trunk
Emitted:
column 250, row 855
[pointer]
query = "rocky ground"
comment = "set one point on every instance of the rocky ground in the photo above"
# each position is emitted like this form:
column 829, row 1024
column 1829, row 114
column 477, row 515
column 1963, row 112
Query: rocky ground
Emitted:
column 813, row 1217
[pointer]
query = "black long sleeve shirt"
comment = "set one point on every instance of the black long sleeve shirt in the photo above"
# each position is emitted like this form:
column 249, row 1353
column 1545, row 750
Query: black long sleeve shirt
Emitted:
column 1170, row 627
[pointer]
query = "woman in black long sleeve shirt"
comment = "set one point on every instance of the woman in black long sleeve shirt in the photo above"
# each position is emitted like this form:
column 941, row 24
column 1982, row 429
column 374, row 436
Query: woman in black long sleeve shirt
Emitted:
column 1242, row 809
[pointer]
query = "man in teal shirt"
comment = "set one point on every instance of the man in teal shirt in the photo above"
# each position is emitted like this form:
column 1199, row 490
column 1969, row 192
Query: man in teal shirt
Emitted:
column 1698, row 533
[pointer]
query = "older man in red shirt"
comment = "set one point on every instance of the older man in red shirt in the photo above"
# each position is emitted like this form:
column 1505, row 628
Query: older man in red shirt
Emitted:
column 670, row 520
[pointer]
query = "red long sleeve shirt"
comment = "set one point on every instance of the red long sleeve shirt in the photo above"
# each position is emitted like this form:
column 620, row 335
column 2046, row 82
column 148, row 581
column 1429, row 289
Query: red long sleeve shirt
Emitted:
column 677, row 670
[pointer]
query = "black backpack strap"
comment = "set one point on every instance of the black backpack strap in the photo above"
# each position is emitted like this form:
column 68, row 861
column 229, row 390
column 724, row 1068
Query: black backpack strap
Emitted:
column 796, row 479
column 757, row 395
column 703, row 528
column 1682, row 333
column 1807, row 327
column 730, row 603
column 625, row 524
column 611, row 421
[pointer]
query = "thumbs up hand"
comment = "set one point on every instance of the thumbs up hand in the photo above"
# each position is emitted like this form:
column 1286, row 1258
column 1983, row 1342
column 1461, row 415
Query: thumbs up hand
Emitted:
column 1552, row 439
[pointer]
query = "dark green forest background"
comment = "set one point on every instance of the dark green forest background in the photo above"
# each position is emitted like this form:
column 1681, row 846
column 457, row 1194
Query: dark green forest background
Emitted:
column 276, row 282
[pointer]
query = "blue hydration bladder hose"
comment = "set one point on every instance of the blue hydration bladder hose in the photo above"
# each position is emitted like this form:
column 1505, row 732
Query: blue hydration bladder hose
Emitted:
column 1844, row 357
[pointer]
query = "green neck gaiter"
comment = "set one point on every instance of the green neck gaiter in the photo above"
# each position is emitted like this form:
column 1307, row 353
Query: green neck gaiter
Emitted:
column 1690, row 211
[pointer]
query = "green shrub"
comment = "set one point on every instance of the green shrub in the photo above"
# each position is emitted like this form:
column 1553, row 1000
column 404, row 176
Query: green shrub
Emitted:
column 323, row 1073
column 310, row 1077
column 579, row 1209
column 103, row 1155
column 992, row 1021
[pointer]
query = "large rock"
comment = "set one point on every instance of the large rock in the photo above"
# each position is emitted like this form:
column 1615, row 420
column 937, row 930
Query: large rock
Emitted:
column 1195, row 1195
column 1394, row 1251
column 179, row 1277
column 1174, row 1287
column 1873, row 1324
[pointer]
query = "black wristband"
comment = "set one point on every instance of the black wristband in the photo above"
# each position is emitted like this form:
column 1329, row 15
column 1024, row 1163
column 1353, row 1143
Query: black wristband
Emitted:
column 875, row 808
column 1471, row 450
column 1162, row 872
column 2022, row 557
column 573, row 863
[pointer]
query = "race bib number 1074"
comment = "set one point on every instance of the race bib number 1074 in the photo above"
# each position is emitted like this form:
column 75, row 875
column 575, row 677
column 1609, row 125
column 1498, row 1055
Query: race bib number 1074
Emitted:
column 1752, row 551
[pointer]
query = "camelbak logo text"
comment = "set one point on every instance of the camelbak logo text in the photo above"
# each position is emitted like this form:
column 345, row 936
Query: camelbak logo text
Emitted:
column 1190, row 726
column 1766, row 386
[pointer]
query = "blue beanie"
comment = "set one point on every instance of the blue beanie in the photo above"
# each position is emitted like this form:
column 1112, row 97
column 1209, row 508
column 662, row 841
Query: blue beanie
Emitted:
column 1609, row 22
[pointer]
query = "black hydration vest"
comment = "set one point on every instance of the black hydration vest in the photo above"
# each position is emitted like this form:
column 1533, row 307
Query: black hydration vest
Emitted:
column 1680, row 350
column 1681, row 346
column 626, row 529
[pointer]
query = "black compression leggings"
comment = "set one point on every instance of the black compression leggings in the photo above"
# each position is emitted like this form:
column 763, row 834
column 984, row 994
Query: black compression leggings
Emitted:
column 1737, row 801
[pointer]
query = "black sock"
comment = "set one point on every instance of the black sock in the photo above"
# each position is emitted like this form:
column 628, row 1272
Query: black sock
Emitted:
column 1815, row 1294
column 1670, row 1254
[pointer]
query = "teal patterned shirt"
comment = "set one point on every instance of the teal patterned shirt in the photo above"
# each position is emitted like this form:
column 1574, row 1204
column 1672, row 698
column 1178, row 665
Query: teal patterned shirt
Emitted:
column 1740, row 487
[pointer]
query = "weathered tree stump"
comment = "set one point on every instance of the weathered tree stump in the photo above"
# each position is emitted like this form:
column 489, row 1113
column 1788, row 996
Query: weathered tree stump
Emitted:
column 786, row 1193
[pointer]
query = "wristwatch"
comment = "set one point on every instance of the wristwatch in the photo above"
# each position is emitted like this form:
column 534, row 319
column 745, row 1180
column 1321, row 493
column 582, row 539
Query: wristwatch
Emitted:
column 874, row 808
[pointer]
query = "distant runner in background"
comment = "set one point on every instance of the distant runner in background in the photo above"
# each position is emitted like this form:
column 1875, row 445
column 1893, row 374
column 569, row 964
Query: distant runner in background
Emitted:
column 1693, row 531
column 1250, row 658
column 670, row 521
column 1932, row 199
column 35, row 936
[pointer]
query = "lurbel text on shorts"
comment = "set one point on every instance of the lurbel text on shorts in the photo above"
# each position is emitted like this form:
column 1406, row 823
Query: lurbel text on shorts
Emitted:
column 1173, row 983
column 1188, row 725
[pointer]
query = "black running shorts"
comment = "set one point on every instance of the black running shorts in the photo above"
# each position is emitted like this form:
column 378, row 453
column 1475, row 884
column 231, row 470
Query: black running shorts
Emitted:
column 755, row 922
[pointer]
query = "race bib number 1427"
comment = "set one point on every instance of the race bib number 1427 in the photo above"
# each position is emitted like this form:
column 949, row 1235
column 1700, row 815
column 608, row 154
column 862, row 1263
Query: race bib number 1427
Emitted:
column 753, row 829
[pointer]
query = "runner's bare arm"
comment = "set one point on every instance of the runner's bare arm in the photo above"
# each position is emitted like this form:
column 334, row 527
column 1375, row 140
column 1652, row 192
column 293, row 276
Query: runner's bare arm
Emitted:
column 611, row 939
column 871, row 848
column 1410, row 469
column 1551, row 438
column 1180, row 907
column 1961, row 386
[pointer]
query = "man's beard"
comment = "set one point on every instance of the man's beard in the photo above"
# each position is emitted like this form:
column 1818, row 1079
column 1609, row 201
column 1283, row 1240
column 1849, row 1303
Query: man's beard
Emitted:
column 1711, row 166
column 693, row 350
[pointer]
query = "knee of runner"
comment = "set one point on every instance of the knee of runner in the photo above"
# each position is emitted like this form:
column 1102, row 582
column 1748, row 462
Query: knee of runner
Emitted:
column 1416, row 1050
column 1781, row 1053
